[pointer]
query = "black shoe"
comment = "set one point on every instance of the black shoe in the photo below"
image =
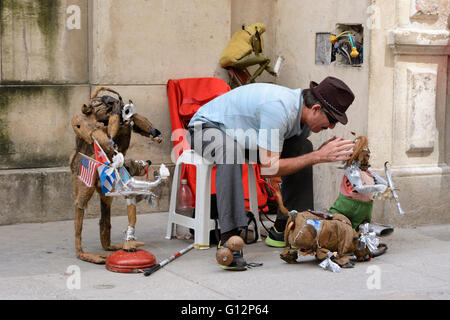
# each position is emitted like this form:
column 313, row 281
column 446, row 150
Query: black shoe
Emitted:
column 275, row 238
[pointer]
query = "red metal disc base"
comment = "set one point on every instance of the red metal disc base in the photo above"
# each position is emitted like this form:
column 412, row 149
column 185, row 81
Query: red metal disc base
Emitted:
column 130, row 262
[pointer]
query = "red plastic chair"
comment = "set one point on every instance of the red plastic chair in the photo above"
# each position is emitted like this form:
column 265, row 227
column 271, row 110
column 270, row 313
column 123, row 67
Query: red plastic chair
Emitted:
column 185, row 97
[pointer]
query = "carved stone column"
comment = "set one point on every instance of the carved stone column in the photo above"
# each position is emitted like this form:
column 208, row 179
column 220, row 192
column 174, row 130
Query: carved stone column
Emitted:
column 420, row 47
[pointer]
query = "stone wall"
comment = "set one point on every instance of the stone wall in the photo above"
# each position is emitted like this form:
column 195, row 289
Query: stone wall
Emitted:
column 37, row 45
column 409, row 106
column 54, row 53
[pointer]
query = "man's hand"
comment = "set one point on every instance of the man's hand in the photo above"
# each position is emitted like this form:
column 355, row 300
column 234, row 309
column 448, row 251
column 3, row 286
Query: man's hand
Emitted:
column 335, row 149
column 326, row 142
column 270, row 162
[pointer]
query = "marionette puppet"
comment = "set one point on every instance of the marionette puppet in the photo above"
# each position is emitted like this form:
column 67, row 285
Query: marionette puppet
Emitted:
column 359, row 186
column 103, row 132
column 245, row 49
column 330, row 238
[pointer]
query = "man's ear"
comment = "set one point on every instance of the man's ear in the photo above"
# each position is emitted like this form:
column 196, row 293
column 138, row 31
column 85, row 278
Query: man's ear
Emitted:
column 316, row 107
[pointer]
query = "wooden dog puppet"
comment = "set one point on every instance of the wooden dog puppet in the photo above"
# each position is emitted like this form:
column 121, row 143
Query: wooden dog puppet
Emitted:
column 308, row 234
column 110, row 123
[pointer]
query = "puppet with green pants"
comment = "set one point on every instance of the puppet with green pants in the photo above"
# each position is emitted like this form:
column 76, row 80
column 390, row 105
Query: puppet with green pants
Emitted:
column 359, row 186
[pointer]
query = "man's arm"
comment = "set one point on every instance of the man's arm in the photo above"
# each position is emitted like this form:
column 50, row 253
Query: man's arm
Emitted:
column 335, row 149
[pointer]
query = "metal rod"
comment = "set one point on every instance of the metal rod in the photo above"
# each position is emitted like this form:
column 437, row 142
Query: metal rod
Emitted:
column 158, row 266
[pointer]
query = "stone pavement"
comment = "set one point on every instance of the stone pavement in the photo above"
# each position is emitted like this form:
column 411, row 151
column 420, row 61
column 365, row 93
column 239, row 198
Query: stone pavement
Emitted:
column 37, row 261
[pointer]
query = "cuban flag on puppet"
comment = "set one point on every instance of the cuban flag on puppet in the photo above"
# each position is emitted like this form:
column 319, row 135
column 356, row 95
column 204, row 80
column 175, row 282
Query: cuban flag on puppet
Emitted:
column 106, row 173
column 107, row 178
column 87, row 171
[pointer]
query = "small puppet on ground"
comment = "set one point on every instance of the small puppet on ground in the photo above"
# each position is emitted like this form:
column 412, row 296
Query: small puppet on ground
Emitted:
column 359, row 186
column 328, row 237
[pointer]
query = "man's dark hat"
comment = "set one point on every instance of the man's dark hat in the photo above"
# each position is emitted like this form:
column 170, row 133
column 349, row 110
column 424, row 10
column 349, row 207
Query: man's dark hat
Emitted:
column 335, row 96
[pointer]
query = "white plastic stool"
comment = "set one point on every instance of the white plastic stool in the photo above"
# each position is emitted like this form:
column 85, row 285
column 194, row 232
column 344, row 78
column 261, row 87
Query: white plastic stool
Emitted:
column 202, row 222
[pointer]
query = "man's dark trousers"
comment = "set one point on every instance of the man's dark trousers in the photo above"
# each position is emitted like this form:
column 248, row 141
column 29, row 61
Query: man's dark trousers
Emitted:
column 297, row 188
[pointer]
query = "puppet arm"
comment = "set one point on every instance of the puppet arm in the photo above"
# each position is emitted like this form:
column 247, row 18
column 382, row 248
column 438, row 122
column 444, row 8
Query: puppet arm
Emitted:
column 87, row 129
column 353, row 174
column 378, row 179
column 144, row 127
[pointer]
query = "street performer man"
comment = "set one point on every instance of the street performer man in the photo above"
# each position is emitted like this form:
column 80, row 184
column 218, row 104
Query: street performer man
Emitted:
column 268, row 124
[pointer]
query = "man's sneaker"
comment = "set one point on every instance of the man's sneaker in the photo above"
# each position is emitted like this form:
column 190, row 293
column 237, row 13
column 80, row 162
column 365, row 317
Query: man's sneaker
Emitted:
column 275, row 238
column 238, row 264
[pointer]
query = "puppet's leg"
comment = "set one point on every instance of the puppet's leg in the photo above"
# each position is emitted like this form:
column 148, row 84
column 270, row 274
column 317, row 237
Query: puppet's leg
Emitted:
column 251, row 60
column 344, row 261
column 289, row 255
column 130, row 243
column 83, row 194
column 255, row 60
column 105, row 223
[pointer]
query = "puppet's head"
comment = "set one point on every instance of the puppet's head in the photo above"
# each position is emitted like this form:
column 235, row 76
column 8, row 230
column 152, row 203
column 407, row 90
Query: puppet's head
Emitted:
column 361, row 153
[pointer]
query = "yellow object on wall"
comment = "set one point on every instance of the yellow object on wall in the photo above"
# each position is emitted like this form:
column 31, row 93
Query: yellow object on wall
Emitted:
column 240, row 44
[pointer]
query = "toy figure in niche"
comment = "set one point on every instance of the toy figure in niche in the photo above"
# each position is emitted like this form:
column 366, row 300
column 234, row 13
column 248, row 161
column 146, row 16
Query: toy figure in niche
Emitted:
column 245, row 50
column 108, row 122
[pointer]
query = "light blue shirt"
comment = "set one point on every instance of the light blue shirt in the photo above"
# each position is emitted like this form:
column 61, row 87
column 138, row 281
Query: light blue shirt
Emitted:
column 260, row 113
